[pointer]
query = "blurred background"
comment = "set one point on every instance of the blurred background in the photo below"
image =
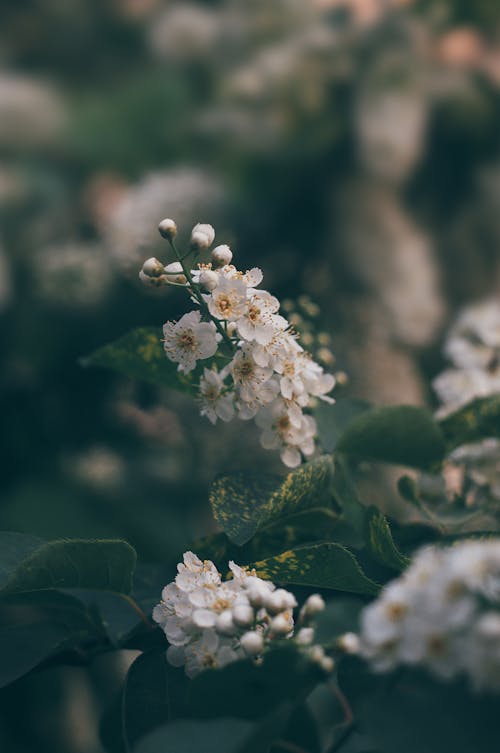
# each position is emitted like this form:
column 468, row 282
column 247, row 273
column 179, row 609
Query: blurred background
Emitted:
column 350, row 148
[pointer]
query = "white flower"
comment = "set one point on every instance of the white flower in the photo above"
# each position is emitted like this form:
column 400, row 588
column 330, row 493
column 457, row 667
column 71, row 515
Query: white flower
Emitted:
column 202, row 236
column 228, row 300
column 269, row 376
column 253, row 382
column 443, row 613
column 215, row 403
column 189, row 340
column 474, row 340
column 456, row 387
column 287, row 429
column 258, row 322
column 210, row 623
column 208, row 279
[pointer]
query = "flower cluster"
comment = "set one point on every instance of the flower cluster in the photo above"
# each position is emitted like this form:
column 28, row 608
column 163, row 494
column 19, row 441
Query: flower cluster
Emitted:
column 471, row 475
column 211, row 623
column 443, row 614
column 473, row 346
column 264, row 372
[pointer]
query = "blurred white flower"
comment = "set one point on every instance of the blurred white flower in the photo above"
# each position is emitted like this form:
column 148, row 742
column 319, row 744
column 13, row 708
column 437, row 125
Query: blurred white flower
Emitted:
column 443, row 613
column 32, row 112
column 72, row 275
column 183, row 192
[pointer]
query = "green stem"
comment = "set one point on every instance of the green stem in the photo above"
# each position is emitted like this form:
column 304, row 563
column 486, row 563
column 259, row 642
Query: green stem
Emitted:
column 199, row 297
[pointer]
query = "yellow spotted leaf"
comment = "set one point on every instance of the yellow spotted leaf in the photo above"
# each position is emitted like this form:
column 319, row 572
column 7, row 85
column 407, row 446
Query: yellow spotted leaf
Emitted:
column 140, row 354
column 243, row 504
column 326, row 565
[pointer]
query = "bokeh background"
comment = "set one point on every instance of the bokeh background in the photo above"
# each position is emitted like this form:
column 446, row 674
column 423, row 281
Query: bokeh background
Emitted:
column 350, row 148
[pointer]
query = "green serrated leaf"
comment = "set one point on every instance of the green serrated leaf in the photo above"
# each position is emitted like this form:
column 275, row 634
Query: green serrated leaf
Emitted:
column 325, row 565
column 478, row 419
column 243, row 504
column 105, row 564
column 139, row 354
column 401, row 434
column 380, row 542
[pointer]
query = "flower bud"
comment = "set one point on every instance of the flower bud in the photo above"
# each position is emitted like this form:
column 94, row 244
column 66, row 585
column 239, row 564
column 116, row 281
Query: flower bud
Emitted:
column 252, row 643
column 221, row 256
column 202, row 236
column 243, row 615
column 224, row 623
column 279, row 600
column 175, row 273
column 280, row 625
column 348, row 643
column 208, row 279
column 153, row 268
column 257, row 590
column 168, row 229
column 313, row 605
column 305, row 636
column 154, row 282
column 327, row 664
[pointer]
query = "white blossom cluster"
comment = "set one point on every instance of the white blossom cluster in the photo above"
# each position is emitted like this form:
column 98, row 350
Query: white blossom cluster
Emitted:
column 443, row 614
column 265, row 373
column 211, row 623
column 472, row 472
column 473, row 347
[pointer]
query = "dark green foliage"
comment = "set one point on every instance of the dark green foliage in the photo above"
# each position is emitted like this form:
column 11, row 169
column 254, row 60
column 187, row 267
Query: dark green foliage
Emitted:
column 403, row 434
column 247, row 690
column 325, row 565
column 414, row 712
column 107, row 565
column 380, row 543
column 243, row 504
column 139, row 354
column 477, row 420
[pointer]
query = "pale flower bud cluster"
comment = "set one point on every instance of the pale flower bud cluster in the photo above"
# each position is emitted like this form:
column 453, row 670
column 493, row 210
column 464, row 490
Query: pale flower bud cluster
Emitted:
column 210, row 623
column 442, row 614
column 264, row 374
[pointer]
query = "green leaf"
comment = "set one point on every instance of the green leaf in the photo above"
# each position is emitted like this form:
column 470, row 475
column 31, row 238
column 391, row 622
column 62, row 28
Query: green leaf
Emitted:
column 412, row 712
column 214, row 736
column 243, row 504
column 403, row 434
column 248, row 690
column 14, row 548
column 380, row 542
column 35, row 626
column 479, row 419
column 105, row 564
column 140, row 354
column 341, row 615
column 145, row 700
column 333, row 420
column 326, row 565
